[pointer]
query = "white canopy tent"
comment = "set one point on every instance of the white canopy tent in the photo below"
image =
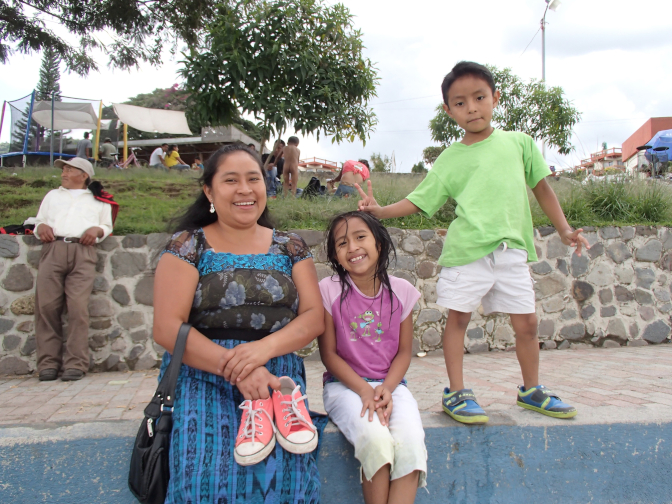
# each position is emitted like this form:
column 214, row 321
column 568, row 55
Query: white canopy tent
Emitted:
column 66, row 115
column 150, row 120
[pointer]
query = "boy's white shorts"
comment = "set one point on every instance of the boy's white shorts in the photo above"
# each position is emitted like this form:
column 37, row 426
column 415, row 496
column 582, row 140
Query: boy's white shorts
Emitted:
column 401, row 444
column 500, row 281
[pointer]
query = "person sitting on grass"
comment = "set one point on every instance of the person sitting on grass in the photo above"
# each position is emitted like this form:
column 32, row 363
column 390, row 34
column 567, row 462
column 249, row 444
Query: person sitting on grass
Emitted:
column 488, row 245
column 198, row 164
column 158, row 158
column 173, row 160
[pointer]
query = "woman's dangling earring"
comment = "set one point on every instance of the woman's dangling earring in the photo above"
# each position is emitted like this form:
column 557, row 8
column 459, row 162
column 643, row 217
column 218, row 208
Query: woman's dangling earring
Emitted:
column 212, row 207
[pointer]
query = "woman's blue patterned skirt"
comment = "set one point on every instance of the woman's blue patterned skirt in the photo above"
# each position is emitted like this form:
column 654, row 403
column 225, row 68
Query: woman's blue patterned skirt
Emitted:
column 205, row 424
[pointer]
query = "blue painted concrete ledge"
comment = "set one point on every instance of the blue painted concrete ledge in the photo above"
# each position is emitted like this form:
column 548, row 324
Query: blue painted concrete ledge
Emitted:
column 543, row 461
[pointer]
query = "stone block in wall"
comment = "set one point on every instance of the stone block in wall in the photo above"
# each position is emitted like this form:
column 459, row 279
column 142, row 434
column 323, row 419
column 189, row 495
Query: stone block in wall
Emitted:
column 100, row 307
column 395, row 231
column 128, row 264
column 478, row 347
column 564, row 345
column 139, row 336
column 134, row 241
column 541, row 268
column 549, row 285
column 666, row 261
column 545, row 230
column 582, row 291
column 120, row 295
column 607, row 311
column 549, row 345
column 426, row 234
column 645, row 277
column 579, row 265
column 405, row 275
column 428, row 315
column 136, row 352
column 100, row 323
column 646, row 313
column 547, row 328
column 504, row 335
column 650, row 252
column 643, row 297
column 13, row 366
column 562, row 267
column 633, row 330
column 97, row 341
column 130, row 319
column 637, row 343
column 475, row 333
column 662, row 295
column 11, row 342
column 427, row 269
column 320, row 254
column 29, row 346
column 24, row 305
column 429, row 292
column 569, row 314
column 9, row 247
column 555, row 248
column 609, row 233
column 33, row 258
column 619, row 252
column 311, row 237
column 624, row 274
column 431, row 337
column 144, row 291
column 109, row 244
column 646, row 230
column 413, row 245
column 587, row 312
column 434, row 249
column 553, row 304
column 607, row 343
column 31, row 240
column 25, row 326
column 323, row 271
column 596, row 250
column 574, row 331
column 601, row 275
column 101, row 261
column 606, row 296
column 19, row 278
column 616, row 329
column 657, row 332
column 404, row 262
column 145, row 362
column 100, row 284
column 157, row 241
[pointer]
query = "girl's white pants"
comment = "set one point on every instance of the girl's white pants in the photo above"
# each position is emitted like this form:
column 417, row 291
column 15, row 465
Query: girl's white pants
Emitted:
column 401, row 444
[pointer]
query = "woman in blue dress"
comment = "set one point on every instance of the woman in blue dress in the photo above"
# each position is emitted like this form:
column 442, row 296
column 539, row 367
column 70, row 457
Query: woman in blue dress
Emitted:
column 252, row 296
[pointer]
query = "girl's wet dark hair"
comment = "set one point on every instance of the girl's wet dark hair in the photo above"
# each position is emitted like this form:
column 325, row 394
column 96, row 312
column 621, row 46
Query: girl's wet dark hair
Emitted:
column 198, row 214
column 383, row 242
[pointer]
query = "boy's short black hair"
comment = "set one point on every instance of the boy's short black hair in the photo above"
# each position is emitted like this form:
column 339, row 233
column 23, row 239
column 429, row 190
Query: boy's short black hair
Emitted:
column 293, row 140
column 466, row 68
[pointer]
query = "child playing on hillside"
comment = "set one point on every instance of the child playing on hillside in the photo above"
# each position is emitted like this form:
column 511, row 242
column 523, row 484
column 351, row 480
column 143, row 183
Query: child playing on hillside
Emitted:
column 291, row 169
column 489, row 243
column 366, row 348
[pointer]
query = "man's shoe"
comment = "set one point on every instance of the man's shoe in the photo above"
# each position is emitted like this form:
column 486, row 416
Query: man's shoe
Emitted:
column 48, row 374
column 256, row 435
column 295, row 430
column 72, row 375
column 461, row 405
column 543, row 401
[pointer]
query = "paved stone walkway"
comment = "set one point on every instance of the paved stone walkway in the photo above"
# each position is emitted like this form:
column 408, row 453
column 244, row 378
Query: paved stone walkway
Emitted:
column 604, row 384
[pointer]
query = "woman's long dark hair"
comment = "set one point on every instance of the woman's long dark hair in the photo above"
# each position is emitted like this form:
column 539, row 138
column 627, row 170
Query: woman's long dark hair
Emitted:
column 383, row 243
column 198, row 214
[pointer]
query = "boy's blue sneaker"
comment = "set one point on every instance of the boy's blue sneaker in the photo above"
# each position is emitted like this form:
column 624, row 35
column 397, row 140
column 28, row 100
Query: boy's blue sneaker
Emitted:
column 544, row 401
column 462, row 406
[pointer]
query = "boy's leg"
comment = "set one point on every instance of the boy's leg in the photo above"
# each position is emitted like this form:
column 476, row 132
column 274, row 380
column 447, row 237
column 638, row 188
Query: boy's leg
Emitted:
column 294, row 171
column 285, row 182
column 453, row 347
column 527, row 347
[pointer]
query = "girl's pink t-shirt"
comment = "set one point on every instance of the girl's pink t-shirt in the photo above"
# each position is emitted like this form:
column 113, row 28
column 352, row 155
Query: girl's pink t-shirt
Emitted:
column 367, row 328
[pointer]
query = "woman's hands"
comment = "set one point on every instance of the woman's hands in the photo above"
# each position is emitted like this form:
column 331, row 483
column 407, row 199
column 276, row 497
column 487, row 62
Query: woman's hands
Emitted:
column 255, row 386
column 378, row 401
column 236, row 364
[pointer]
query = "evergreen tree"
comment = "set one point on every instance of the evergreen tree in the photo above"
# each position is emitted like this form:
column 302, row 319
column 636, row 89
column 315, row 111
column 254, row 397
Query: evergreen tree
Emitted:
column 50, row 74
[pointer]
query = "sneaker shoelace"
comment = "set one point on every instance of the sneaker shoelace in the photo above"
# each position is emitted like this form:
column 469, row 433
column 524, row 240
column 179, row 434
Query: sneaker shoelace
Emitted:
column 293, row 414
column 253, row 416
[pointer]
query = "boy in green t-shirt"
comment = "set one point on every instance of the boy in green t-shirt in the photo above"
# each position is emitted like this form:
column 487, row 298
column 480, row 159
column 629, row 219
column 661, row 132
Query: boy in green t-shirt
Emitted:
column 488, row 245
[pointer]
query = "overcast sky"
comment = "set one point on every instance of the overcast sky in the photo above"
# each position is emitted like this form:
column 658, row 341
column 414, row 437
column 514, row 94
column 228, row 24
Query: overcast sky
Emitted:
column 610, row 57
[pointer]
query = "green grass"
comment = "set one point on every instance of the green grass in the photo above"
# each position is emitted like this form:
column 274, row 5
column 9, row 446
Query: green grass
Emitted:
column 149, row 199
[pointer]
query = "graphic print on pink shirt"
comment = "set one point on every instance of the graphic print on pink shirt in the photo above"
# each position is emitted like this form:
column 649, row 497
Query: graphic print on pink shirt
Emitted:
column 367, row 328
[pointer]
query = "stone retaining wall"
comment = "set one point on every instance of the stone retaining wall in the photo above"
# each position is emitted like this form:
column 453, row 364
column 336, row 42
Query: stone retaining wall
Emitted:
column 616, row 294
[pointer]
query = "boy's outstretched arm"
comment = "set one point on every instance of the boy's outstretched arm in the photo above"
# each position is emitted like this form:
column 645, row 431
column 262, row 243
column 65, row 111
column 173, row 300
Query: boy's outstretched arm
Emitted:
column 548, row 202
column 369, row 204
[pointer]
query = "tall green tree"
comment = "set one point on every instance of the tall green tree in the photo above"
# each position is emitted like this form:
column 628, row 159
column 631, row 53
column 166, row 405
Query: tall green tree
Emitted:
column 135, row 31
column 542, row 112
column 429, row 154
column 381, row 163
column 50, row 74
column 419, row 167
column 285, row 61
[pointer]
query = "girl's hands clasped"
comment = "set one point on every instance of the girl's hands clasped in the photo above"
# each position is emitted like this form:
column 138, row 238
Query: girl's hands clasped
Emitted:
column 377, row 402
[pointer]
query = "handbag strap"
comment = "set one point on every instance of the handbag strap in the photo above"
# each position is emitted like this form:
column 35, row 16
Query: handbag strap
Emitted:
column 169, row 380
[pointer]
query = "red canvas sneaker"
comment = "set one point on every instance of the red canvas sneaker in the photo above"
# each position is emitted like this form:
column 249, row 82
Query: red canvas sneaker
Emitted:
column 295, row 430
column 256, row 436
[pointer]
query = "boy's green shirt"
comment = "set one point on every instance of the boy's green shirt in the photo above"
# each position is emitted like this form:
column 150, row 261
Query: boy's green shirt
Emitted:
column 487, row 180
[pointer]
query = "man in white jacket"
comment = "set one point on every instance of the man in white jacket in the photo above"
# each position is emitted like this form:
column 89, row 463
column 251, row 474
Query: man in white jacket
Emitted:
column 69, row 223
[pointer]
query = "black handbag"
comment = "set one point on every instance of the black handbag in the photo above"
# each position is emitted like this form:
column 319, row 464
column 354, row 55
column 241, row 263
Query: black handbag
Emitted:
column 149, row 472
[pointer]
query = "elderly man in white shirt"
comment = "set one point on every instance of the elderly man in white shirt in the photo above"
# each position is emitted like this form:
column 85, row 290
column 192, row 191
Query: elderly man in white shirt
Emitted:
column 69, row 223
